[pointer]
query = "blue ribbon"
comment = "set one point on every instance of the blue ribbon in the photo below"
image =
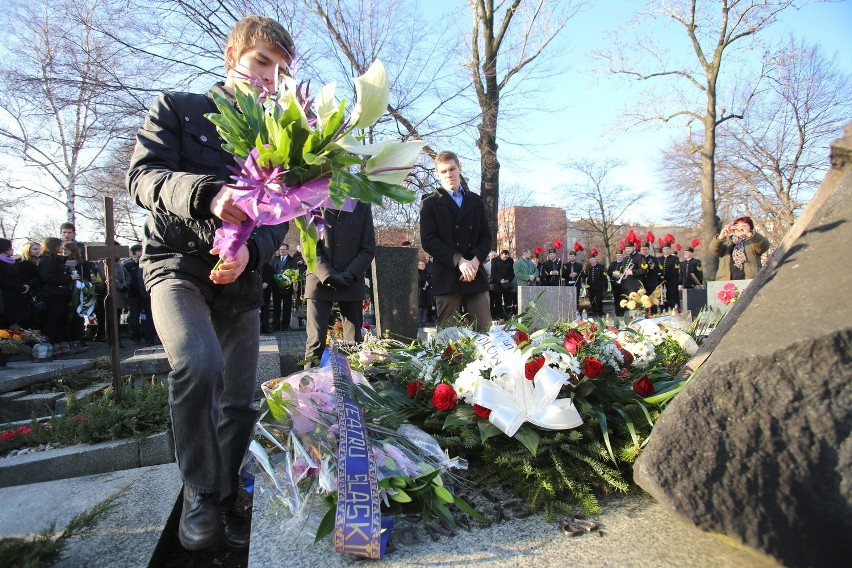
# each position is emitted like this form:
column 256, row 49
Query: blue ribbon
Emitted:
column 358, row 524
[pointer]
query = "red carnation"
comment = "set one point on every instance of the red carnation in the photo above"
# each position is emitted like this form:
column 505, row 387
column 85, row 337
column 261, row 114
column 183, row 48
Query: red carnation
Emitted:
column 557, row 244
column 592, row 367
column 643, row 386
column 573, row 341
column 481, row 411
column 413, row 387
column 444, row 397
column 678, row 247
column 694, row 243
column 533, row 367
column 521, row 337
column 578, row 247
column 537, row 250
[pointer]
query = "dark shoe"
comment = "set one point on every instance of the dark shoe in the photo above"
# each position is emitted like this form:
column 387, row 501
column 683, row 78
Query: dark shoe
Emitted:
column 200, row 520
column 237, row 530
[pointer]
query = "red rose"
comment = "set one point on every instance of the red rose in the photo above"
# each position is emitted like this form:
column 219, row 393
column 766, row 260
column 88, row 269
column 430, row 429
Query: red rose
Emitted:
column 592, row 367
column 521, row 337
column 627, row 356
column 444, row 397
column 481, row 411
column 533, row 367
column 573, row 341
column 451, row 355
column 413, row 387
column 643, row 386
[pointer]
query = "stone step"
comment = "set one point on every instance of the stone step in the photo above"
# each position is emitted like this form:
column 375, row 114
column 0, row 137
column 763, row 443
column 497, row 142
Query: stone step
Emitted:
column 126, row 536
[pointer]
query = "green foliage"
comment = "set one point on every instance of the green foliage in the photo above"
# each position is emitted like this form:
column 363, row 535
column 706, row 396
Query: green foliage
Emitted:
column 142, row 412
column 45, row 549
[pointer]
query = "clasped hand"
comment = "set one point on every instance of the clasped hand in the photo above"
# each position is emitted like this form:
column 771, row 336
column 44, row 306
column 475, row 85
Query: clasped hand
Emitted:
column 468, row 269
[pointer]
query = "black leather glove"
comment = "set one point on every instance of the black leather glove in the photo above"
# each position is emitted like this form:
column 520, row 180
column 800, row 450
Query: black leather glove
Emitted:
column 337, row 281
column 349, row 276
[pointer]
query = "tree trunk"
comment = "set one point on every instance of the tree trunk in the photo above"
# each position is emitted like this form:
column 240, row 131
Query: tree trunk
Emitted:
column 490, row 180
column 709, row 223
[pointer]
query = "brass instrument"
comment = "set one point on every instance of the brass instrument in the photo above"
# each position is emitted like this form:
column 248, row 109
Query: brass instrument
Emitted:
column 627, row 267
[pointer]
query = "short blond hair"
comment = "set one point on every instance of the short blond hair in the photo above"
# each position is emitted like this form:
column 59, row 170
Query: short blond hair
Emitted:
column 446, row 156
column 252, row 29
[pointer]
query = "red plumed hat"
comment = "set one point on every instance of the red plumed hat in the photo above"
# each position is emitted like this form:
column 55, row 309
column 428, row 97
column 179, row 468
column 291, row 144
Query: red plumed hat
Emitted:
column 593, row 251
column 694, row 243
column 621, row 245
column 669, row 238
column 631, row 236
column 537, row 250
column 661, row 242
column 678, row 247
column 578, row 247
column 649, row 238
column 557, row 244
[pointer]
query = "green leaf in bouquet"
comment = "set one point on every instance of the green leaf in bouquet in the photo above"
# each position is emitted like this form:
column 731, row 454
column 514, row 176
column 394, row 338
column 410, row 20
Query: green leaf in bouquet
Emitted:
column 465, row 507
column 326, row 526
column 605, row 433
column 644, row 411
column 462, row 415
column 253, row 113
column 529, row 438
column 309, row 237
column 630, row 427
column 442, row 494
column 488, row 430
column 400, row 497
column 359, row 186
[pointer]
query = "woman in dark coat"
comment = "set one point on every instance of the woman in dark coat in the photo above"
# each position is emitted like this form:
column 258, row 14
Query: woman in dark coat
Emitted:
column 56, row 281
column 27, row 270
column 14, row 305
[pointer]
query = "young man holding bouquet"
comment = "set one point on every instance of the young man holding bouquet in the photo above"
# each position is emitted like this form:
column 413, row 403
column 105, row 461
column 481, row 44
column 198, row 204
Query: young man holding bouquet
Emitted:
column 206, row 313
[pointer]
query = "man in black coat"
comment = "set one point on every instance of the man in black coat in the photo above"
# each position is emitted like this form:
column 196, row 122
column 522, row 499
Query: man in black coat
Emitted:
column 282, row 294
column 344, row 254
column 551, row 269
column 671, row 276
column 634, row 270
column 503, row 280
column 594, row 276
column 571, row 270
column 615, row 270
column 691, row 274
column 454, row 230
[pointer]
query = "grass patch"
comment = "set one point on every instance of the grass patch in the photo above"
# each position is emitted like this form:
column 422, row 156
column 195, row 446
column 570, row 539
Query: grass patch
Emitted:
column 143, row 411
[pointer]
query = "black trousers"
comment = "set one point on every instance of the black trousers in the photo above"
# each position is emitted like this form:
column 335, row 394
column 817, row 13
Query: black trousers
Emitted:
column 282, row 307
column 319, row 312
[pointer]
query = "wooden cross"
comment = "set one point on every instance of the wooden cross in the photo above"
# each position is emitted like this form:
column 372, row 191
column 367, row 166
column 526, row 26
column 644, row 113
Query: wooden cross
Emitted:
column 110, row 252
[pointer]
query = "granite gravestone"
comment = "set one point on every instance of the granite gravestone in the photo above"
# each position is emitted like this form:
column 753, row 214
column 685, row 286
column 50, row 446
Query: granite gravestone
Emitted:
column 716, row 286
column 548, row 304
column 757, row 446
column 395, row 291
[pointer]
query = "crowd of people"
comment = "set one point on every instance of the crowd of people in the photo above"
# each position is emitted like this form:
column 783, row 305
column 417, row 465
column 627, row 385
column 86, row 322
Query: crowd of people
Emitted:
column 41, row 290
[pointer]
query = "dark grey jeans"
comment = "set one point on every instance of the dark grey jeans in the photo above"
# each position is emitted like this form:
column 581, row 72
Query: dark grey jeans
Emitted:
column 213, row 355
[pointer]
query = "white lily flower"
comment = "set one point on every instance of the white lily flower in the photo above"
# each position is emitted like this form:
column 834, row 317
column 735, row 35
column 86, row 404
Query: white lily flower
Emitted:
column 372, row 91
column 393, row 163
column 325, row 104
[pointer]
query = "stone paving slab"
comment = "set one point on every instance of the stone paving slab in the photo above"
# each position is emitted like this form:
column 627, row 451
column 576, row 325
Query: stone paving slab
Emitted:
column 19, row 374
column 74, row 461
column 126, row 536
column 637, row 532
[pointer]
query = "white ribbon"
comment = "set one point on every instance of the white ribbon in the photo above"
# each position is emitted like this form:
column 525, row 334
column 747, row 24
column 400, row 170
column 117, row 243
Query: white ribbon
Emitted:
column 87, row 305
column 530, row 401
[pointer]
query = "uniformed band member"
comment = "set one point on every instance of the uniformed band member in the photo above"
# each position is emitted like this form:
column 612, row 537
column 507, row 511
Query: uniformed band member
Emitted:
column 571, row 270
column 594, row 276
column 651, row 278
column 551, row 269
column 633, row 273
column 671, row 277
column 691, row 275
column 615, row 270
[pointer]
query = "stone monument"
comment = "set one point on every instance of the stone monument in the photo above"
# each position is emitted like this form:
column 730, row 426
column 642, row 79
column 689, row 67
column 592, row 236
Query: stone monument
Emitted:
column 548, row 304
column 395, row 291
column 757, row 446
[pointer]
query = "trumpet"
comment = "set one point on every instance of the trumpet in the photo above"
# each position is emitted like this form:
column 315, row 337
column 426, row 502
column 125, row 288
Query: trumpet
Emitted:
column 627, row 267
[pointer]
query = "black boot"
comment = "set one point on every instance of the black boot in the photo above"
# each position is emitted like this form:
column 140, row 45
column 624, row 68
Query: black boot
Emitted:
column 237, row 529
column 200, row 520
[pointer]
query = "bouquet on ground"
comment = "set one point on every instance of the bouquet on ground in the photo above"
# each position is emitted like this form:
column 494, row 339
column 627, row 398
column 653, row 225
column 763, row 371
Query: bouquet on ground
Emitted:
column 296, row 154
column 296, row 445
column 17, row 340
column 557, row 413
column 286, row 278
